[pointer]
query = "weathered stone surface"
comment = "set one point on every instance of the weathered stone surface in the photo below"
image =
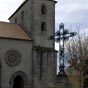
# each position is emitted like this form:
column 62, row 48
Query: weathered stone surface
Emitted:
column 37, row 68
column 62, row 82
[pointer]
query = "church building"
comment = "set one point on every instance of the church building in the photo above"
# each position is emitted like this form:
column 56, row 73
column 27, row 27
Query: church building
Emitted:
column 27, row 56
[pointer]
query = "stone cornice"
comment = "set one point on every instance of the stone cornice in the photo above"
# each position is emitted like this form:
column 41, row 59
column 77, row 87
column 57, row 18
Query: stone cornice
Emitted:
column 44, row 49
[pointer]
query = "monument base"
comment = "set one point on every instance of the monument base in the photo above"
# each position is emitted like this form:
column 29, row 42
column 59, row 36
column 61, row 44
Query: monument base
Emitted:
column 62, row 81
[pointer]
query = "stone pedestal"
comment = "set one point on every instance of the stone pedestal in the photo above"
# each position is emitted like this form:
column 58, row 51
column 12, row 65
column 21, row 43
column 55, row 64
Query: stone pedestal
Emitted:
column 62, row 81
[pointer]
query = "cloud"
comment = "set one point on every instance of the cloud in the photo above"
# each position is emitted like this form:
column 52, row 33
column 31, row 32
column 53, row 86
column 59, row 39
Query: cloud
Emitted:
column 56, row 46
column 7, row 7
column 72, row 12
column 84, row 31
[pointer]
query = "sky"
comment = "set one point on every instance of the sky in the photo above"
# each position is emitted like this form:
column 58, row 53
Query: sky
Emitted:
column 73, row 13
column 7, row 7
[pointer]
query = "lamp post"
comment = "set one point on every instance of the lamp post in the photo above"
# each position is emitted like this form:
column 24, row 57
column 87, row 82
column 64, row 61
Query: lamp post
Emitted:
column 61, row 36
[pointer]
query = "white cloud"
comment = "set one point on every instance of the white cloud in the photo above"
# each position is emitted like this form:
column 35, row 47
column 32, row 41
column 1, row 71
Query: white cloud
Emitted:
column 68, row 11
column 72, row 12
column 85, row 31
column 57, row 46
column 7, row 7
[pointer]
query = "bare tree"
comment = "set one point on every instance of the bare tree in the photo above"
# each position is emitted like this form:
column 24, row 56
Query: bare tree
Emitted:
column 77, row 54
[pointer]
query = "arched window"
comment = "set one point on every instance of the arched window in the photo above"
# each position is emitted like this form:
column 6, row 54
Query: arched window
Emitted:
column 43, row 10
column 19, row 79
column 43, row 26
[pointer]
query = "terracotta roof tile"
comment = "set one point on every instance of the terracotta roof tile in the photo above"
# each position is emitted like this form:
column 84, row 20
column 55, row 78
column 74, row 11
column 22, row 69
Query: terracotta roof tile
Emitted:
column 14, row 31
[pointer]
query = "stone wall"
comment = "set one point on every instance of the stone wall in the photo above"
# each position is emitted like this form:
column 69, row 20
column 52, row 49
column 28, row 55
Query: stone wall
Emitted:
column 25, row 64
column 44, row 68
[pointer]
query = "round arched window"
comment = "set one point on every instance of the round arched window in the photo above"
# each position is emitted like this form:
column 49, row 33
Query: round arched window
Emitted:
column 12, row 57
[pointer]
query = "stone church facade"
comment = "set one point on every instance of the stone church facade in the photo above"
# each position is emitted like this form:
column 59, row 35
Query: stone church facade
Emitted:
column 27, row 57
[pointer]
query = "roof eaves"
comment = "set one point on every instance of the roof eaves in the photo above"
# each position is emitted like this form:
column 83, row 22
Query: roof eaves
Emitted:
column 15, row 39
column 18, row 9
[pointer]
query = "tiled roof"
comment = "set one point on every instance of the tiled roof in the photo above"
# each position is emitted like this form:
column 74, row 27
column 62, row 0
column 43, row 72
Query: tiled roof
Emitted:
column 13, row 31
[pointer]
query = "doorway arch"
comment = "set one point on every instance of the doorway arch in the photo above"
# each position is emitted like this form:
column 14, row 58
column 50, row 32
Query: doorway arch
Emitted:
column 19, row 80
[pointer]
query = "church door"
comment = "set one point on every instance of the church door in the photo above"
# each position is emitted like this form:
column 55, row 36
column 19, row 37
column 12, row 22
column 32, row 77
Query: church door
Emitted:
column 18, row 82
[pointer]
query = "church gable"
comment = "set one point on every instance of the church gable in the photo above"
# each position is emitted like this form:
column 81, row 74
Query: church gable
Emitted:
column 13, row 31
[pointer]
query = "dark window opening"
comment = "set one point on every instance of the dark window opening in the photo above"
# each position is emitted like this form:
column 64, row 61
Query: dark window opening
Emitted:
column 43, row 26
column 43, row 10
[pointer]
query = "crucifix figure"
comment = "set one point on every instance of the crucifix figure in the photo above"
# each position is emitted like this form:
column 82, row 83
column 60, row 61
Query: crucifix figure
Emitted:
column 61, row 36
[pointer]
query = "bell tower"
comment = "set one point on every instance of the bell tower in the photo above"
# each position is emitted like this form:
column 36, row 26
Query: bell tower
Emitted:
column 43, row 22
column 43, row 26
